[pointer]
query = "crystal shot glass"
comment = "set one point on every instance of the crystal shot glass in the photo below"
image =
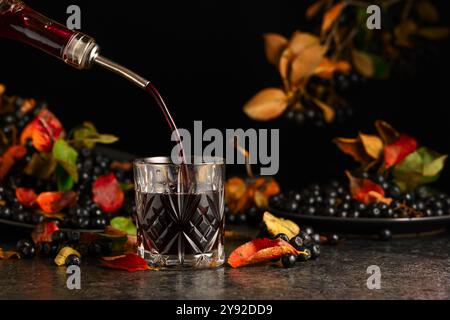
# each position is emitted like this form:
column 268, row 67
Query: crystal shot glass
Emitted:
column 180, row 212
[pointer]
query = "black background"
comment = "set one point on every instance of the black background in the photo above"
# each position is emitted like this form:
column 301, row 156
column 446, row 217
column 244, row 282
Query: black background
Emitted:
column 207, row 59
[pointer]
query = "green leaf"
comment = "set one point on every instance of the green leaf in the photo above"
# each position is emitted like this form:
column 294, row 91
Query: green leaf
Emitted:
column 87, row 136
column 126, row 186
column 100, row 138
column 41, row 166
column 66, row 157
column 63, row 180
column 381, row 67
column 420, row 167
column 124, row 224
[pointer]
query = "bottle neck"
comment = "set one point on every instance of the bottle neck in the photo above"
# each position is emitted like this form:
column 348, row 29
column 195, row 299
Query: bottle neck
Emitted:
column 21, row 23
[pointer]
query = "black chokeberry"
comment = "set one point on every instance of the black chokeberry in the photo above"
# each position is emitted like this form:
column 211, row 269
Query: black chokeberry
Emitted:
column 315, row 251
column 333, row 239
column 27, row 252
column 288, row 260
column 316, row 238
column 308, row 230
column 292, row 206
column 297, row 242
column 282, row 236
column 73, row 260
column 307, row 240
column 385, row 234
column 23, row 243
column 328, row 211
column 241, row 218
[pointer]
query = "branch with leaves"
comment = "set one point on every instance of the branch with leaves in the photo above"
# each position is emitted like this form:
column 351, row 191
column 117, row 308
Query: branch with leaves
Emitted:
column 317, row 68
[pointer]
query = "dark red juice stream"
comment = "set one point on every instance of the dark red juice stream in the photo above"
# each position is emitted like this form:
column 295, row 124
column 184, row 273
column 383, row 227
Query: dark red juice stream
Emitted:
column 184, row 183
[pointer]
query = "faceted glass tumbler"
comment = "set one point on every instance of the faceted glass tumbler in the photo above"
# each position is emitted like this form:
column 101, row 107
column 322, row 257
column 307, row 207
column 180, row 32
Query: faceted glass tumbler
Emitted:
column 180, row 212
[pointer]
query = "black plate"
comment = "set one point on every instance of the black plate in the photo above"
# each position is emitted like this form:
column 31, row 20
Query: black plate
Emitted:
column 109, row 152
column 368, row 226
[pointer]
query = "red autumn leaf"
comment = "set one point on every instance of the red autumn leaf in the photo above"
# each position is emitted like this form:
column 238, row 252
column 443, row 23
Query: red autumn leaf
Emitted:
column 53, row 202
column 365, row 190
column 43, row 231
column 259, row 250
column 130, row 262
column 395, row 152
column 42, row 130
column 26, row 196
column 9, row 158
column 107, row 193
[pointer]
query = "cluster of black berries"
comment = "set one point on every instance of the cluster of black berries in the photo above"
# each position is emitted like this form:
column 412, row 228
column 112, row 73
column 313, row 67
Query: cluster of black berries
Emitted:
column 16, row 118
column 308, row 242
column 86, row 214
column 60, row 239
column 90, row 164
column 334, row 200
column 311, row 114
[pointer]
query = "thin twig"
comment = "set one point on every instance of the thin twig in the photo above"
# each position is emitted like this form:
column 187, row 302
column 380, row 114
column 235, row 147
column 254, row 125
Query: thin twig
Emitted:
column 346, row 42
column 407, row 9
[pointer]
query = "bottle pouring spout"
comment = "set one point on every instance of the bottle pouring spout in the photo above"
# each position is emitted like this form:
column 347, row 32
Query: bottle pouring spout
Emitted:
column 122, row 71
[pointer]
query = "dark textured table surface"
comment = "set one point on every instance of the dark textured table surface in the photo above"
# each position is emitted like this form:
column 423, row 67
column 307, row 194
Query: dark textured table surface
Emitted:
column 410, row 269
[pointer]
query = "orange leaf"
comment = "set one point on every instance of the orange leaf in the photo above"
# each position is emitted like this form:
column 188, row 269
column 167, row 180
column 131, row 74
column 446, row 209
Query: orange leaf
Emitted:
column 43, row 130
column 314, row 8
column 372, row 145
column 300, row 41
column 234, row 188
column 26, row 197
column 266, row 105
column 130, row 262
column 53, row 202
column 363, row 189
column 284, row 64
column 331, row 15
column 43, row 231
column 363, row 63
column 270, row 187
column 375, row 197
column 387, row 133
column 5, row 255
column 354, row 148
column 274, row 46
column 118, row 165
column 259, row 250
column 397, row 151
column 306, row 62
column 9, row 159
column 328, row 112
column 326, row 68
column 27, row 105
